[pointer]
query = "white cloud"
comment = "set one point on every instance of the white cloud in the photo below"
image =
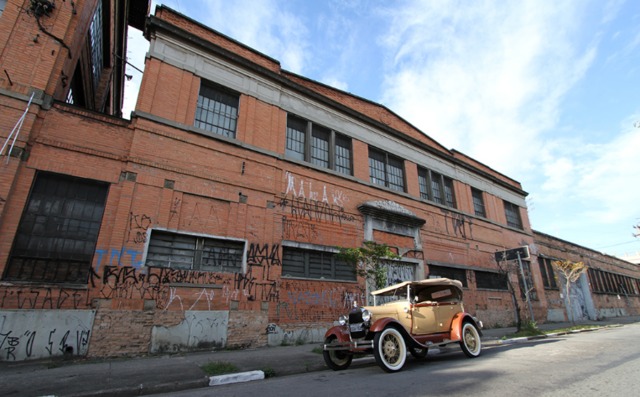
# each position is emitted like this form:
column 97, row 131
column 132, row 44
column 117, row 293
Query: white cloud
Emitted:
column 485, row 78
column 334, row 82
column 263, row 25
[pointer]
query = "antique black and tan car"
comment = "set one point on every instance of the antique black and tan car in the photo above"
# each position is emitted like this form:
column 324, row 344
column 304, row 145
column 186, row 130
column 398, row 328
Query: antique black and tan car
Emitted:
column 407, row 317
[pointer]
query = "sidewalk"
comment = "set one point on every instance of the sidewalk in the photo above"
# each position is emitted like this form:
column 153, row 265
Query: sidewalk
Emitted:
column 151, row 375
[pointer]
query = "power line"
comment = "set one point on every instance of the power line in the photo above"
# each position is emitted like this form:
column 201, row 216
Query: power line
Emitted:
column 615, row 245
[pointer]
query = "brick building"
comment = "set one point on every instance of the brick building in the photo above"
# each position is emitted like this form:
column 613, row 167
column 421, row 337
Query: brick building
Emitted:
column 212, row 217
column 610, row 288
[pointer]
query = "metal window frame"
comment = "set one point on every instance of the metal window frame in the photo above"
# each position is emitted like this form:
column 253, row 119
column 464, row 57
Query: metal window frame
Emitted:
column 306, row 265
column 196, row 235
column 88, row 263
column 453, row 269
column 309, row 146
column 429, row 177
column 514, row 209
column 223, row 91
column 387, row 156
column 477, row 194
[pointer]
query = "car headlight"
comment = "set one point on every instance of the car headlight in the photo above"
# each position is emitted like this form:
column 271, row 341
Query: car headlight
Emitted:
column 342, row 320
column 366, row 315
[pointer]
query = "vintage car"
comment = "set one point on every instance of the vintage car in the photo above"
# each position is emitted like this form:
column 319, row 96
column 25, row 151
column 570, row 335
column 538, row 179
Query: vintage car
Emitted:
column 411, row 316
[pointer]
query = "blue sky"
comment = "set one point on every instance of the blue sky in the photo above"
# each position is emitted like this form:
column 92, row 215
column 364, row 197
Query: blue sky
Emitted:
column 545, row 92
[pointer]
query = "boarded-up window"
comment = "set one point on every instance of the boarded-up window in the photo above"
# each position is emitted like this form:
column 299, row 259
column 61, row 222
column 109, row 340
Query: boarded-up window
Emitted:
column 58, row 230
column 314, row 264
column 187, row 252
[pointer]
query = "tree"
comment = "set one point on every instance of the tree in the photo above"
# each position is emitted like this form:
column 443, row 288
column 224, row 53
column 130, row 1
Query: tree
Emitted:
column 571, row 272
column 505, row 269
column 367, row 261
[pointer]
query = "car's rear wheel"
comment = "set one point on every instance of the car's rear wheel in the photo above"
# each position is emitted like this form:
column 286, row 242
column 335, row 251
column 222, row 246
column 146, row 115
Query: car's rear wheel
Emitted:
column 390, row 350
column 419, row 352
column 337, row 360
column 471, row 344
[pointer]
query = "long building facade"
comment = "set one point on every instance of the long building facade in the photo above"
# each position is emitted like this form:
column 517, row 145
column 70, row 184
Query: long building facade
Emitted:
column 212, row 217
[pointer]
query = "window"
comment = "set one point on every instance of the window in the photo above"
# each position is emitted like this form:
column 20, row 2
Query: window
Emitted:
column 95, row 40
column 491, row 280
column 326, row 148
column 314, row 264
column 3, row 4
column 217, row 110
column 188, row 252
column 386, row 170
column 532, row 289
column 478, row 202
column 436, row 187
column 606, row 282
column 57, row 234
column 512, row 212
column 452, row 273
column 548, row 276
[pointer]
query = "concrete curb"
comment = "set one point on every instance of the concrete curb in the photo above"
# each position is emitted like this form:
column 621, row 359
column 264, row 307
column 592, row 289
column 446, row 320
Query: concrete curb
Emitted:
column 577, row 331
column 235, row 378
column 143, row 390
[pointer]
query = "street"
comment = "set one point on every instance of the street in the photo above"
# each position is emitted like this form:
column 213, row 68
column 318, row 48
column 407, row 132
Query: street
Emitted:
column 602, row 363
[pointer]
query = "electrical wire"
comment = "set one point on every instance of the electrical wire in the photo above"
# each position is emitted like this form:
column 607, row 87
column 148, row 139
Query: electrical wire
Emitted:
column 54, row 37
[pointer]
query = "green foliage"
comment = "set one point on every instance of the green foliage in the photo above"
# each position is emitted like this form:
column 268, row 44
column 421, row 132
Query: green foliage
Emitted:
column 284, row 343
column 268, row 371
column 367, row 261
column 528, row 328
column 219, row 368
column 316, row 350
column 574, row 328
column 300, row 341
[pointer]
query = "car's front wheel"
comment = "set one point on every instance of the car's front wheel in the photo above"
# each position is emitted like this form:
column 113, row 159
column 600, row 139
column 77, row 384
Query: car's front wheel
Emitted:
column 471, row 344
column 337, row 360
column 419, row 352
column 390, row 350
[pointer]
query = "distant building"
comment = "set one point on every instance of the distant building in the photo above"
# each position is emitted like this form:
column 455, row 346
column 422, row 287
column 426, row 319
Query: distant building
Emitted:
column 610, row 288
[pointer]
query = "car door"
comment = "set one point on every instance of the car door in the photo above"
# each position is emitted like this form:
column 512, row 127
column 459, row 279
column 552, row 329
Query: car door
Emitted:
column 424, row 318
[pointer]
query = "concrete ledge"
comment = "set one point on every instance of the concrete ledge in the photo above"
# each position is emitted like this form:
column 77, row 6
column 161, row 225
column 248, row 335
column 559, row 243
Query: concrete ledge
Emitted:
column 235, row 378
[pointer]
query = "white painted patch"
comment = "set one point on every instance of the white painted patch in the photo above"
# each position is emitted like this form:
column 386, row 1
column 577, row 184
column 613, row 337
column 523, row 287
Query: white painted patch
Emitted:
column 235, row 378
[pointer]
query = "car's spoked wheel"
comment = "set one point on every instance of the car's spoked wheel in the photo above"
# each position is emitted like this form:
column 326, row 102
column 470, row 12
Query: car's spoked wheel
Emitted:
column 471, row 344
column 336, row 359
column 390, row 350
column 419, row 352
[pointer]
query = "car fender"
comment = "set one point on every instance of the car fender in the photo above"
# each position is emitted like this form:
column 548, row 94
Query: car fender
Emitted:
column 340, row 333
column 387, row 322
column 458, row 321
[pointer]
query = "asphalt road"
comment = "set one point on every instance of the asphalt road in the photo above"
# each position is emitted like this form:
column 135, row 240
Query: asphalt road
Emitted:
column 603, row 363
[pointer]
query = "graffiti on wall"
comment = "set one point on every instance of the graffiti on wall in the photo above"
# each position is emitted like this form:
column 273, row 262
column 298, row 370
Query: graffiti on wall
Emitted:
column 301, row 301
column 298, row 188
column 138, row 225
column 459, row 223
column 293, row 229
column 46, row 298
column 33, row 335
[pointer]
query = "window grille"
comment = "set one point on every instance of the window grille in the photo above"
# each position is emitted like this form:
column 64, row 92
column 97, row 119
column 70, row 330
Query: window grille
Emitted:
column 320, row 146
column 452, row 273
column 314, row 264
column 326, row 148
column 57, row 234
column 217, row 110
column 606, row 282
column 546, row 270
column 295, row 137
column 386, row 170
column 490, row 280
column 95, row 37
column 478, row 203
column 187, row 252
